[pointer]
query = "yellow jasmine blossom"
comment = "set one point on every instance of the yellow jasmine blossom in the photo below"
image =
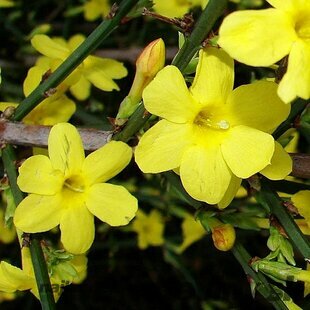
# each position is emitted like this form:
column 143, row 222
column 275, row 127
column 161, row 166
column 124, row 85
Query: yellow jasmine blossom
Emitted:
column 192, row 231
column 261, row 38
column 215, row 135
column 52, row 110
column 67, row 189
column 7, row 235
column 176, row 8
column 223, row 237
column 100, row 72
column 150, row 229
column 14, row 279
column 93, row 9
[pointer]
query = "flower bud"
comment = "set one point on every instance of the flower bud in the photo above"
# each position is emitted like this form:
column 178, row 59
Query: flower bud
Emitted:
column 150, row 61
column 224, row 237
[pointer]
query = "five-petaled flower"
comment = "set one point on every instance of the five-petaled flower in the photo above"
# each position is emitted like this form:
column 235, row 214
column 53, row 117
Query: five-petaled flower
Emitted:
column 100, row 72
column 213, row 134
column 67, row 189
column 261, row 38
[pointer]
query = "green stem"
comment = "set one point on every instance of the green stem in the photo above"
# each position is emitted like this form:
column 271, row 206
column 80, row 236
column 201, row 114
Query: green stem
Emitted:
column 41, row 273
column 135, row 123
column 202, row 28
column 75, row 59
column 38, row 261
column 297, row 107
column 261, row 283
column 270, row 200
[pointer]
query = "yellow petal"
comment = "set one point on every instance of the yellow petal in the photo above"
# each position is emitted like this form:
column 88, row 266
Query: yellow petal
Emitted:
column 94, row 8
column 289, row 5
column 214, row 79
column 51, row 112
column 281, row 164
column 65, row 149
column 172, row 8
column 101, row 72
column 247, row 150
column 81, row 89
column 38, row 213
column 13, row 278
column 168, row 96
column 257, row 105
column 301, row 200
column 49, row 47
column 4, row 105
column 33, row 79
column 161, row 148
column 77, row 229
column 106, row 162
column 112, row 204
column 257, row 38
column 296, row 81
column 231, row 192
column 75, row 41
column 204, row 174
column 37, row 176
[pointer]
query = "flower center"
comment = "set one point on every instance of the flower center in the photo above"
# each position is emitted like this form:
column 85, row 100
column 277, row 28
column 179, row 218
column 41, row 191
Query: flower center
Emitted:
column 302, row 26
column 208, row 119
column 75, row 183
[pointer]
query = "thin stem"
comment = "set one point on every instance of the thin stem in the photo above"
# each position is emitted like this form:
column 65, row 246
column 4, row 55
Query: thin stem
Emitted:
column 41, row 273
column 38, row 261
column 261, row 283
column 270, row 200
column 75, row 59
column 202, row 28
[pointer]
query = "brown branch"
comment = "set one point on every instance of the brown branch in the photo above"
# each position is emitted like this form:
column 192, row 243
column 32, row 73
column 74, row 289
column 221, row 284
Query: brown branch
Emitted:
column 37, row 135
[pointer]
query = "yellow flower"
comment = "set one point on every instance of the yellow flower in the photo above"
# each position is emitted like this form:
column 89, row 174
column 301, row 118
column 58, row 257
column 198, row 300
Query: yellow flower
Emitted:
column 7, row 235
column 14, row 279
column 150, row 229
column 52, row 110
column 192, row 231
column 261, row 38
column 94, row 70
column 6, row 3
column 93, row 9
column 66, row 188
column 176, row 8
column 214, row 134
column 223, row 237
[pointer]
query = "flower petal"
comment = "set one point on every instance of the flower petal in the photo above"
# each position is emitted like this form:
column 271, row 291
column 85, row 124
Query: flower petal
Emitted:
column 257, row 105
column 161, row 148
column 204, row 174
column 247, row 150
column 301, row 200
column 101, row 72
column 33, row 79
column 75, row 41
column 49, row 47
column 172, row 8
column 112, row 204
column 289, row 5
column 81, row 89
column 280, row 166
column 296, row 81
column 231, row 192
column 65, row 149
column 38, row 213
column 257, row 38
column 214, row 78
column 37, row 176
column 77, row 229
column 106, row 162
column 168, row 96
column 13, row 278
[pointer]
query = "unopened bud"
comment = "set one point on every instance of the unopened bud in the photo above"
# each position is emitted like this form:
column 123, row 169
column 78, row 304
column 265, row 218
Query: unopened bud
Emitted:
column 224, row 237
column 150, row 61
